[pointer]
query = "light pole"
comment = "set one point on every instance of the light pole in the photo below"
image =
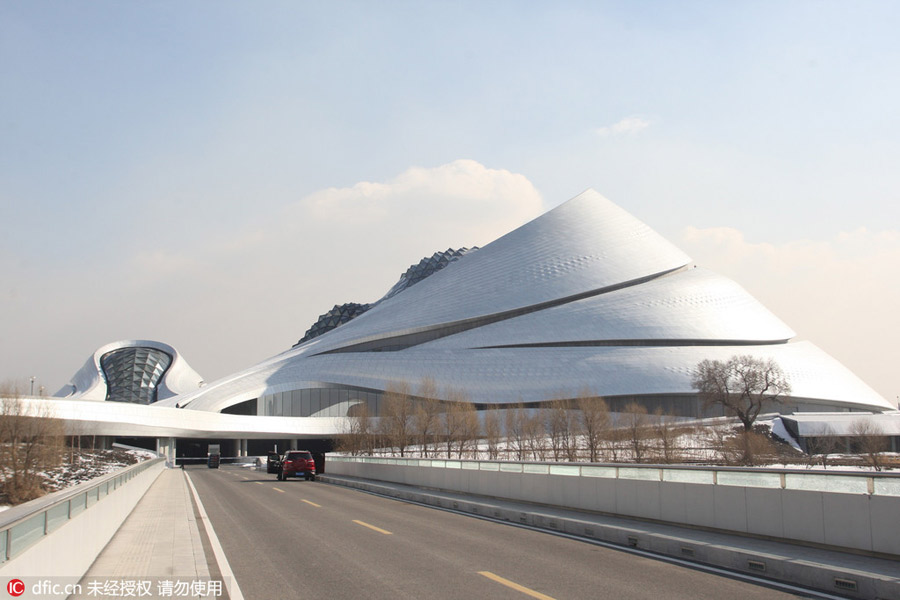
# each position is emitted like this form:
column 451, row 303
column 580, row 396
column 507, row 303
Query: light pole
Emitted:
column 33, row 377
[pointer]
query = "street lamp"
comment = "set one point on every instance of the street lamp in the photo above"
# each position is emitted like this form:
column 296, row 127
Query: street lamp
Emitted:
column 33, row 377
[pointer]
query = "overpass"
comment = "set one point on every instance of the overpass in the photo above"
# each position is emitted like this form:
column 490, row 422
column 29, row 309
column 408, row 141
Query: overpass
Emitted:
column 179, row 432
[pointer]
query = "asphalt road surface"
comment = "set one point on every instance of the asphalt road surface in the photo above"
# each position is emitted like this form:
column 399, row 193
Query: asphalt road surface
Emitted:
column 309, row 540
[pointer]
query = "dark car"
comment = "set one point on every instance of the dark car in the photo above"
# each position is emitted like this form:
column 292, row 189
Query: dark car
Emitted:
column 297, row 463
column 273, row 461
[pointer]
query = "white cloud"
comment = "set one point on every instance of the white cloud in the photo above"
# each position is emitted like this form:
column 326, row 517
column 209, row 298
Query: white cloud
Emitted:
column 440, row 205
column 627, row 126
column 841, row 294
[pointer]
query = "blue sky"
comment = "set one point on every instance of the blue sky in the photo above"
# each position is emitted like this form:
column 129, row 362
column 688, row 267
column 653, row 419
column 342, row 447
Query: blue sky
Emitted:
column 215, row 175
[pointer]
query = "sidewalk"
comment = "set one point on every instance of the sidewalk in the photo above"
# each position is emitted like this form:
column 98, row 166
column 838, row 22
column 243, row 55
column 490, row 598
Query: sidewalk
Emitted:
column 157, row 547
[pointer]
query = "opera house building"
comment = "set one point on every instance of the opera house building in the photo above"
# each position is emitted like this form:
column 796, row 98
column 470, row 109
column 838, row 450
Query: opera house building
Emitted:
column 584, row 297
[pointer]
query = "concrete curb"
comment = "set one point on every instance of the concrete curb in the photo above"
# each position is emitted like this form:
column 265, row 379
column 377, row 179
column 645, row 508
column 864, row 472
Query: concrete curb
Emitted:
column 847, row 575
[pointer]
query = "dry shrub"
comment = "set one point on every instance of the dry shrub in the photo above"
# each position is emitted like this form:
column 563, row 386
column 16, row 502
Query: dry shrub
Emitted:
column 31, row 442
column 748, row 448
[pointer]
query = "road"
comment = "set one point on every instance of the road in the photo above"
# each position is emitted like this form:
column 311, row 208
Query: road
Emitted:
column 310, row 540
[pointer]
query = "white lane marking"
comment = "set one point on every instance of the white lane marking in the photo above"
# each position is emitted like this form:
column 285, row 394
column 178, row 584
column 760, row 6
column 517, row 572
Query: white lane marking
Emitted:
column 234, row 590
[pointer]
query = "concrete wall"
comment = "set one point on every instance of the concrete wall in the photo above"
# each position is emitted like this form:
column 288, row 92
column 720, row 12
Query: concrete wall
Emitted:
column 69, row 551
column 860, row 521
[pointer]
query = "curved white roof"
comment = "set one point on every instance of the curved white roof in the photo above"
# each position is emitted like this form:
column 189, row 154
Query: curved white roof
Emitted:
column 585, row 245
column 693, row 304
column 583, row 296
column 90, row 382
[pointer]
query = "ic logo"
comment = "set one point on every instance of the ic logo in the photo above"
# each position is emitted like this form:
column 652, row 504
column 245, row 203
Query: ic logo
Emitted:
column 15, row 587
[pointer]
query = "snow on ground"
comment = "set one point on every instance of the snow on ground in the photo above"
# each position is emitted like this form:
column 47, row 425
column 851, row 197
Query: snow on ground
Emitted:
column 77, row 466
column 80, row 466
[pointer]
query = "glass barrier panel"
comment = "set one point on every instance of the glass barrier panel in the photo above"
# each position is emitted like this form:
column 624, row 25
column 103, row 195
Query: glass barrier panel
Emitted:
column 439, row 464
column 57, row 515
column 569, row 470
column 760, row 480
column 826, row 483
column 489, row 466
column 887, row 487
column 537, row 469
column 26, row 533
column 470, row 466
column 639, row 474
column 689, row 476
column 510, row 467
column 609, row 472
column 453, row 464
column 79, row 503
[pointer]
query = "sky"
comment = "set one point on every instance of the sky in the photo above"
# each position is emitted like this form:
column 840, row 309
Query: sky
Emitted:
column 217, row 174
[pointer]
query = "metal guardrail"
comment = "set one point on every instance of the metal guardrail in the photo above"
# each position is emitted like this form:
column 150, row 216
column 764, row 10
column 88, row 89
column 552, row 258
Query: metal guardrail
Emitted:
column 24, row 525
column 844, row 482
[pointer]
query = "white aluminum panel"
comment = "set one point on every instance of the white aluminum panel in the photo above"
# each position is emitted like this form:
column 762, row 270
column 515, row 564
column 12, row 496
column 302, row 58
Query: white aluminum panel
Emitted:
column 694, row 304
column 534, row 374
column 585, row 244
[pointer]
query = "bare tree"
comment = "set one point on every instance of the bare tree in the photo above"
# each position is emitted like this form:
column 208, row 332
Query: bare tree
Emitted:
column 535, row 434
column 359, row 438
column 635, row 421
column 426, row 413
column 469, row 427
column 594, row 417
column 452, row 421
column 31, row 441
column 820, row 444
column 492, row 431
column 515, row 430
column 742, row 385
column 666, row 433
column 562, row 427
column 611, row 440
column 869, row 440
column 396, row 418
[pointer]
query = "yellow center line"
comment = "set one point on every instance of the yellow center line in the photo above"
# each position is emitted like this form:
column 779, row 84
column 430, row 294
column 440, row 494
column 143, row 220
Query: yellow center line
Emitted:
column 258, row 482
column 310, row 503
column 278, row 490
column 372, row 527
column 515, row 586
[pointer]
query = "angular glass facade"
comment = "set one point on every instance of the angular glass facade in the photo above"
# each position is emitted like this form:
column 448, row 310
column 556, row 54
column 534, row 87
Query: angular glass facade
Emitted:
column 334, row 317
column 132, row 374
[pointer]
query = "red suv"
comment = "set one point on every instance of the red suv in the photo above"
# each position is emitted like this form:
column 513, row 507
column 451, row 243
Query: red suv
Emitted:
column 297, row 463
